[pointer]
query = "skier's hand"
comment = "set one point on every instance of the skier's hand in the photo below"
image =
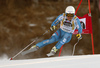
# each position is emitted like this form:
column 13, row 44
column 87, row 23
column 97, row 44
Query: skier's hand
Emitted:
column 52, row 28
column 79, row 37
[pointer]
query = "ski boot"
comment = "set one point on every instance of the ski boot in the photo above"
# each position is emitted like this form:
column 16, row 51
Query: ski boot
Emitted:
column 34, row 46
column 52, row 52
column 32, row 49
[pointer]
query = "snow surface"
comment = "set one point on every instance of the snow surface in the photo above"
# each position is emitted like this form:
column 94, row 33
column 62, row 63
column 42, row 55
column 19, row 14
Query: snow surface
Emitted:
column 83, row 61
column 3, row 57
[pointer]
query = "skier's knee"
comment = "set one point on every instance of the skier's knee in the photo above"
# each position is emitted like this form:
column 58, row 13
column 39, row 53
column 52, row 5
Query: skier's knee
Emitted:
column 63, row 41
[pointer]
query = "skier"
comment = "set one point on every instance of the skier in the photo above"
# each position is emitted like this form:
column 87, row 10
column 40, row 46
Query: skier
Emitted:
column 68, row 23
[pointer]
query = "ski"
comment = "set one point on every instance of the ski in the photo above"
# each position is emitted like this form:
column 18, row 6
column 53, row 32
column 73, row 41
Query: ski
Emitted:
column 29, row 51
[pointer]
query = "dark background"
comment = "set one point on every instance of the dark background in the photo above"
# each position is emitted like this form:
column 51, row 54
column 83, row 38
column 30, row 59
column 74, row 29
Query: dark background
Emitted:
column 16, row 32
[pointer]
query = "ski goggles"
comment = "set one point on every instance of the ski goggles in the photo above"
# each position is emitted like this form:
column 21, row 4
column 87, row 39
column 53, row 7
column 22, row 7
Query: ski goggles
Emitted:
column 69, row 15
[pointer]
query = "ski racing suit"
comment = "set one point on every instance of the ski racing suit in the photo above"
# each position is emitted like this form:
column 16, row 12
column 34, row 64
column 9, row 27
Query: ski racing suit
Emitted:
column 64, row 33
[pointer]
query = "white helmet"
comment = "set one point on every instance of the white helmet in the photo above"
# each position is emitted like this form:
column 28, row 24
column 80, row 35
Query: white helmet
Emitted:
column 70, row 9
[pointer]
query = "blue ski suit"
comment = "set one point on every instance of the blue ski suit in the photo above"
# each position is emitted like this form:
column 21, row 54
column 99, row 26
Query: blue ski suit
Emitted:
column 64, row 33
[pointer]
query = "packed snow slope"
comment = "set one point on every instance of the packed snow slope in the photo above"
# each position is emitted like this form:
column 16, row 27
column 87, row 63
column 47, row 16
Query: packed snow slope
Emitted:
column 85, row 61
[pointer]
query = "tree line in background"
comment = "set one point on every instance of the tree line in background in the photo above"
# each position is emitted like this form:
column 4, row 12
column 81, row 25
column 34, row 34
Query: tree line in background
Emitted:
column 26, row 3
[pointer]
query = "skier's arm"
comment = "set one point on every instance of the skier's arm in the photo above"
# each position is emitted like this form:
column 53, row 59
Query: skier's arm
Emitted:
column 79, row 29
column 57, row 20
column 79, row 26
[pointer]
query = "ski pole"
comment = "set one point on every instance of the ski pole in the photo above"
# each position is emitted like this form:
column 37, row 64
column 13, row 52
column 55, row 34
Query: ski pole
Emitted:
column 29, row 45
column 74, row 47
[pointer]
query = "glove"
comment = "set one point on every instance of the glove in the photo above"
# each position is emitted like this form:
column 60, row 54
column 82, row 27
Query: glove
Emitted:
column 79, row 37
column 52, row 28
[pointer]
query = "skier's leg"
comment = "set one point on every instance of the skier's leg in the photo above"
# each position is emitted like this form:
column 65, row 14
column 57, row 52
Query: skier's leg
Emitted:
column 65, row 39
column 53, row 39
column 46, row 42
